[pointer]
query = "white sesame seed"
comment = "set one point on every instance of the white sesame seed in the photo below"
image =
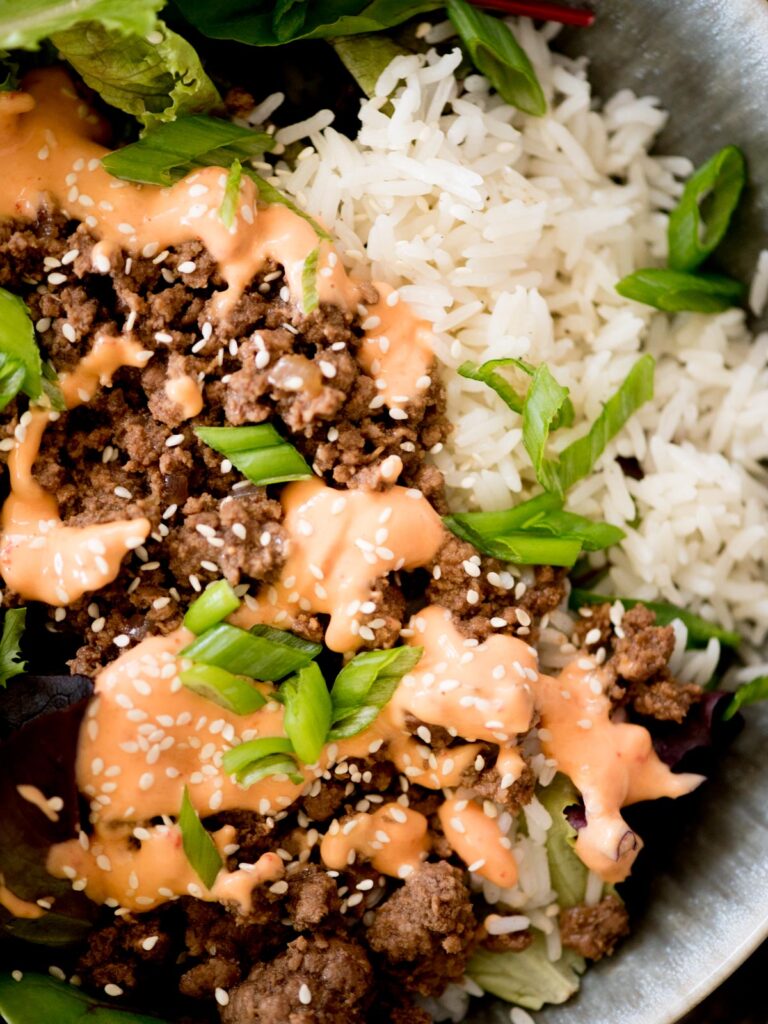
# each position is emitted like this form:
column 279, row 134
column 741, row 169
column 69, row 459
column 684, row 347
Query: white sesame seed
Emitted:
column 112, row 990
column 222, row 997
column 305, row 996
column 57, row 278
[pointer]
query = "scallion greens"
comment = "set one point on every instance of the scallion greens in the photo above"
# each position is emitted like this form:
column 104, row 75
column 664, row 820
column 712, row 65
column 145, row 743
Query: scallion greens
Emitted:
column 259, row 452
column 217, row 601
column 675, row 291
column 308, row 711
column 199, row 847
column 235, row 693
column 262, row 653
column 310, row 298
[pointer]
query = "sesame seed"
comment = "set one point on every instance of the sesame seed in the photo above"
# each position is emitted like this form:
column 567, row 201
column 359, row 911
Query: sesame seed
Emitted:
column 112, row 990
column 123, row 492
column 122, row 640
column 305, row 996
column 57, row 278
column 126, row 229
column 222, row 997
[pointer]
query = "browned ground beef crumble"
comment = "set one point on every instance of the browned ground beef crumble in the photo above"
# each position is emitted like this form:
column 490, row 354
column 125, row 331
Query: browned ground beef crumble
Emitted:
column 310, row 951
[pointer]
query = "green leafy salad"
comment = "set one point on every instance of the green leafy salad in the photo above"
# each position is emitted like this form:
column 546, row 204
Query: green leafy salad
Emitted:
column 162, row 74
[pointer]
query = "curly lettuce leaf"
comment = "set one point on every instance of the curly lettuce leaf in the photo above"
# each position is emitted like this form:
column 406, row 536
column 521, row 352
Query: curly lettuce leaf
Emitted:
column 529, row 979
column 11, row 663
column 155, row 76
column 24, row 23
column 267, row 24
column 567, row 873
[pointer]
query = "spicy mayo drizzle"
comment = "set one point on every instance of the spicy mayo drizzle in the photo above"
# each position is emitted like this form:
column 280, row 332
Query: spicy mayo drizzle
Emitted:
column 51, row 148
column 340, row 543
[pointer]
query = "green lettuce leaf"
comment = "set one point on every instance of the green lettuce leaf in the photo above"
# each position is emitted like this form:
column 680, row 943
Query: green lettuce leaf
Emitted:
column 268, row 24
column 154, row 76
column 529, row 979
column 37, row 999
column 10, row 652
column 567, row 873
column 366, row 57
column 24, row 23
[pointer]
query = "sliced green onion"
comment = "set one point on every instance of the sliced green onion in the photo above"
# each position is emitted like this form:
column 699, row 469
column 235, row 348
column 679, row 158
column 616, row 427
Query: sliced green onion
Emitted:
column 497, row 54
column 365, row 685
column 217, row 601
column 677, row 292
column 579, row 458
column 539, row 517
column 235, row 693
column 268, row 654
column 239, row 757
column 700, row 631
column 259, row 452
column 749, row 693
column 277, row 764
column 536, row 549
column 544, row 402
column 307, row 711
column 228, row 208
column 309, row 293
column 165, row 154
column 269, row 194
column 486, row 373
column 199, row 847
column 709, row 199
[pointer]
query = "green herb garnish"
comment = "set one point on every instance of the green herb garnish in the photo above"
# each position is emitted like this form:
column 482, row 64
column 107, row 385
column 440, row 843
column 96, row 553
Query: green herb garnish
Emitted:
column 309, row 293
column 497, row 54
column 365, row 685
column 235, row 693
column 701, row 218
column 307, row 712
column 262, row 653
column 228, row 208
column 217, row 601
column 254, row 760
column 199, row 847
column 755, row 690
column 675, row 291
column 259, row 452
column 487, row 373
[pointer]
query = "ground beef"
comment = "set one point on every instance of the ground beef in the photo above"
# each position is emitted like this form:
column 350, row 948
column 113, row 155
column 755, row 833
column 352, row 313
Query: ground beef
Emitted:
column 595, row 931
column 425, row 930
column 129, row 952
column 637, row 655
column 128, row 453
column 510, row 942
column 487, row 783
column 312, row 898
column 485, row 598
column 315, row 981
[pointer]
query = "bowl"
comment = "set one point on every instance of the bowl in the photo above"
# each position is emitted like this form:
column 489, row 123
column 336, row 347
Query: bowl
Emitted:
column 703, row 900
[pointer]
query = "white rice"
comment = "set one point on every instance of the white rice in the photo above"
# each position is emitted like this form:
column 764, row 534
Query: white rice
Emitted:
column 509, row 233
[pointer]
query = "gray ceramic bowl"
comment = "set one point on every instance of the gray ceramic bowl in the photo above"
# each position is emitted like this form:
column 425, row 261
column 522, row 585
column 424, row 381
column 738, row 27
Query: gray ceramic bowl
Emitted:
column 707, row 906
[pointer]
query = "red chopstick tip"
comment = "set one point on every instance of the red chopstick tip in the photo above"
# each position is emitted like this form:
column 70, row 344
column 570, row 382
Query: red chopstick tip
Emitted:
column 543, row 10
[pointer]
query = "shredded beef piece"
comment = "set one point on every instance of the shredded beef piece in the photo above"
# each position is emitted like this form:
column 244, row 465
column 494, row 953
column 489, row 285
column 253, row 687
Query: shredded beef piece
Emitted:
column 336, row 974
column 510, row 942
column 595, row 931
column 425, row 930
